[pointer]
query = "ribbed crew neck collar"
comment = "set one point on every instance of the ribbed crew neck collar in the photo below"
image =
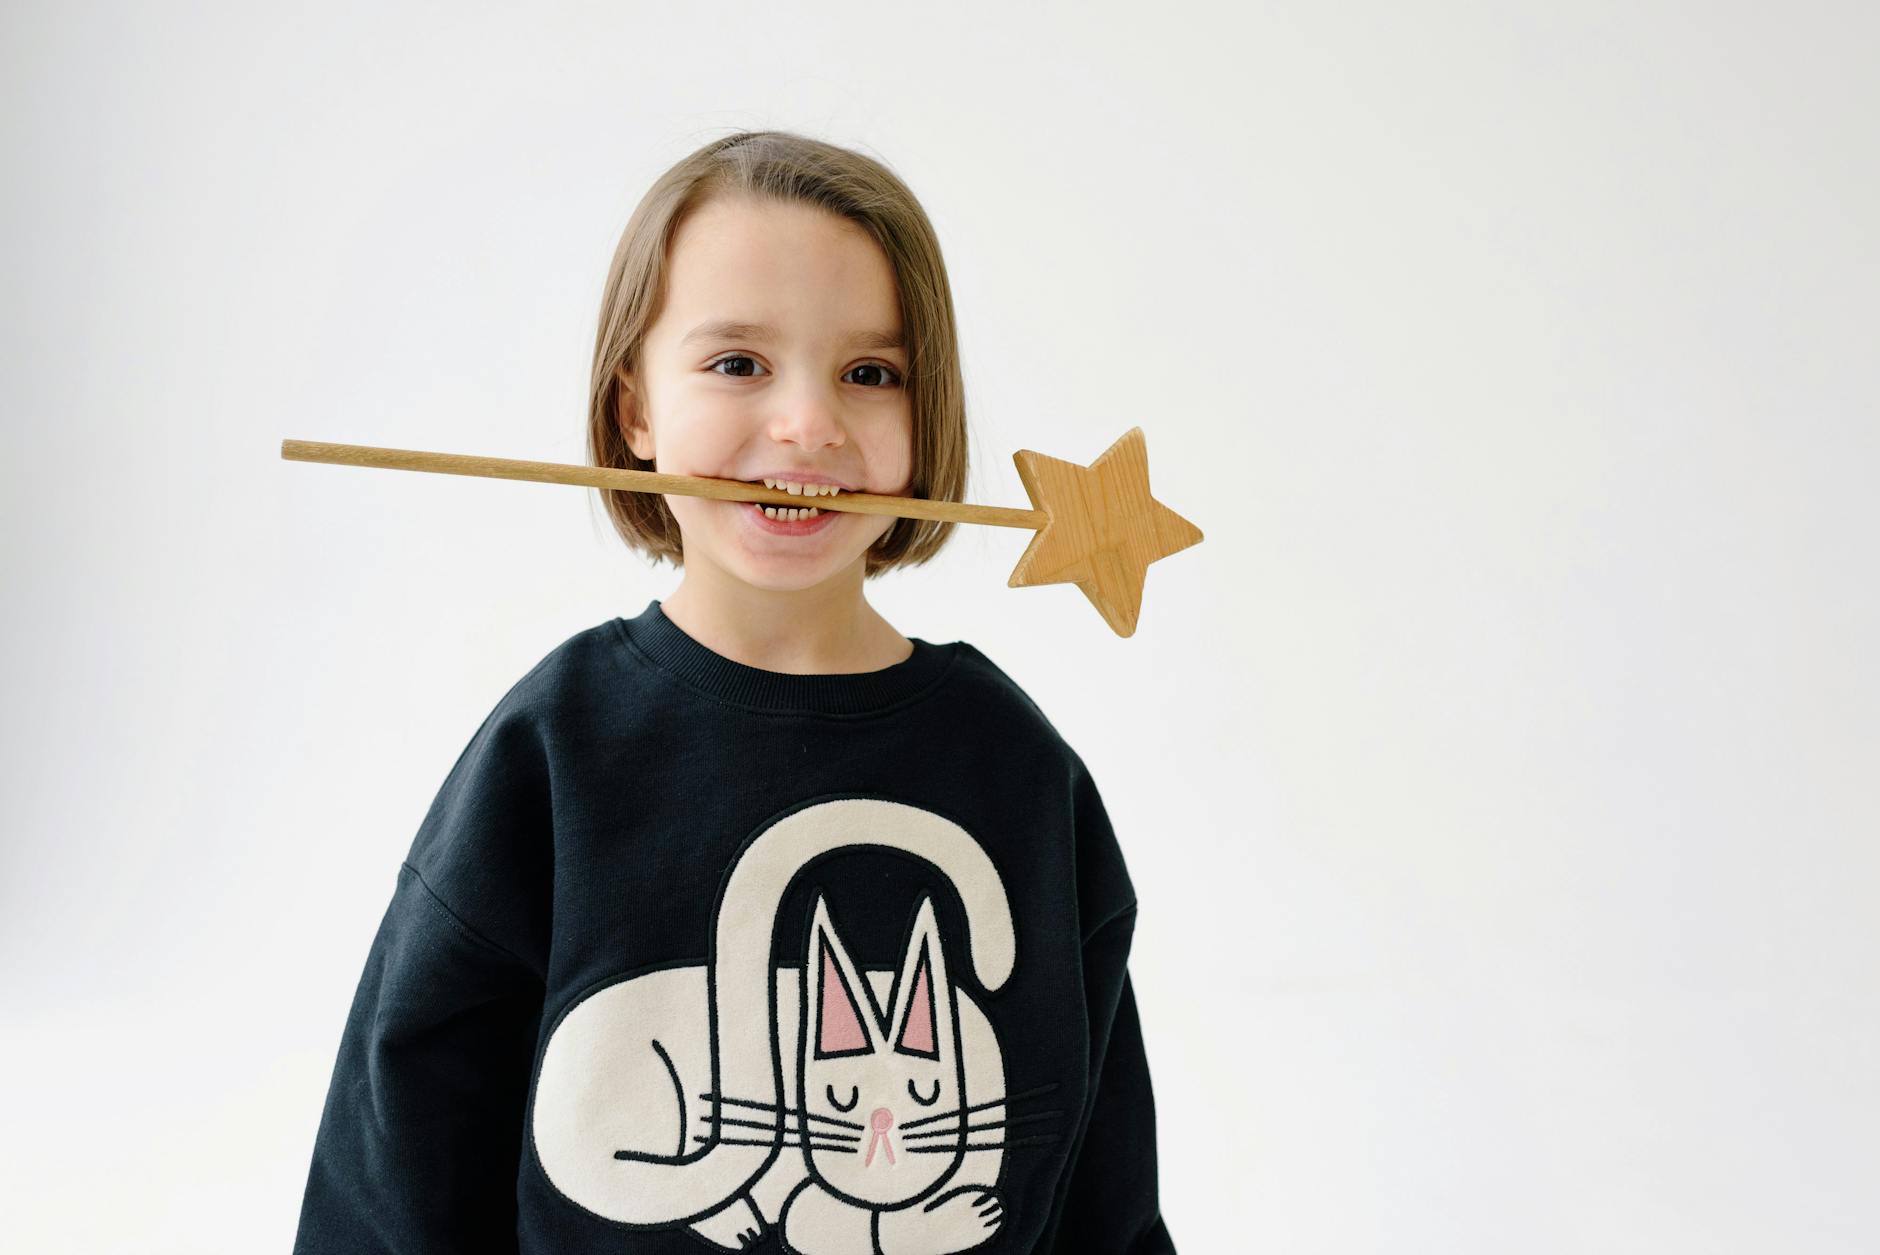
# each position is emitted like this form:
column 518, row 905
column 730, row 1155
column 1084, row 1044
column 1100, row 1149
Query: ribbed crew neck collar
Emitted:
column 667, row 646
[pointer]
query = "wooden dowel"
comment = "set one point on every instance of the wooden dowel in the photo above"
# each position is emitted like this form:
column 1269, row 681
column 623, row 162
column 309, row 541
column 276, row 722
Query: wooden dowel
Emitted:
column 653, row 481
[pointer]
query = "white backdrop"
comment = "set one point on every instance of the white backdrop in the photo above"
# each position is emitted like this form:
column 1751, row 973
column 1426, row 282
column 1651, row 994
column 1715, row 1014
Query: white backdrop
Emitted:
column 1499, row 777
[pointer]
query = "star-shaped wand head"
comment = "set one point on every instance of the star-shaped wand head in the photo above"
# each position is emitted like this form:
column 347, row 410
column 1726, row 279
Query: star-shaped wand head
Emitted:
column 1102, row 528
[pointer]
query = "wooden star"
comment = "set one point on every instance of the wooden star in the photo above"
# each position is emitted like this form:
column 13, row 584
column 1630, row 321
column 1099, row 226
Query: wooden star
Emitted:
column 1103, row 528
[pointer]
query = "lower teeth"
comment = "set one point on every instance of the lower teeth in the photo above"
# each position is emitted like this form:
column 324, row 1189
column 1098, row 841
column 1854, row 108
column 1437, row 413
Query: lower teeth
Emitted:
column 787, row 515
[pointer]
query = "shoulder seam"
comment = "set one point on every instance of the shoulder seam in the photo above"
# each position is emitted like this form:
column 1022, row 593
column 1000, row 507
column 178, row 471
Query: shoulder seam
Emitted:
column 458, row 922
column 1113, row 918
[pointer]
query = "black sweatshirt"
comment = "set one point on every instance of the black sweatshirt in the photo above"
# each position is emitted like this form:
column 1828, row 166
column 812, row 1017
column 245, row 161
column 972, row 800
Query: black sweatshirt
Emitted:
column 687, row 952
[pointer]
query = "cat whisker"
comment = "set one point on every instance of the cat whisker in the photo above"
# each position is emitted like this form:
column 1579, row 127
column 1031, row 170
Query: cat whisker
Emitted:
column 981, row 1106
column 707, row 1118
column 1039, row 1140
column 737, row 1141
column 788, row 1111
column 989, row 1124
column 721, row 1121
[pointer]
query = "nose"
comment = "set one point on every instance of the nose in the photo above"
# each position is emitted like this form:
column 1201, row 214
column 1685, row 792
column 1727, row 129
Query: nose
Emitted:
column 809, row 419
column 881, row 1120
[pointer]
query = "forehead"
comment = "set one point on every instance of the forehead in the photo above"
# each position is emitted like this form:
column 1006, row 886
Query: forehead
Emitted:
column 810, row 273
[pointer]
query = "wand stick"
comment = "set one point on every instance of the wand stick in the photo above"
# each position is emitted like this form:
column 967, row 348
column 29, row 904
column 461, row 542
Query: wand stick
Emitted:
column 1097, row 525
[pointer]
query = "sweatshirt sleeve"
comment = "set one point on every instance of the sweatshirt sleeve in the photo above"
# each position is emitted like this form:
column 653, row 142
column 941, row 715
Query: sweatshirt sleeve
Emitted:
column 1111, row 1204
column 421, row 1135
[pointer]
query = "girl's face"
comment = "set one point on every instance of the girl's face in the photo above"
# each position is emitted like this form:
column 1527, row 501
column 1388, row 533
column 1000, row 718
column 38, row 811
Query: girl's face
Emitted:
column 776, row 354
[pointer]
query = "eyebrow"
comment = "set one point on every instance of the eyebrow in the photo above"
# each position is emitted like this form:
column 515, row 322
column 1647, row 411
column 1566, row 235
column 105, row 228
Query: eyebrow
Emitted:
column 728, row 329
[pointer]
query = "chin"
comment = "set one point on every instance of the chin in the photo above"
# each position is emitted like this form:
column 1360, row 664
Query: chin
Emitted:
column 772, row 583
column 779, row 575
column 784, row 575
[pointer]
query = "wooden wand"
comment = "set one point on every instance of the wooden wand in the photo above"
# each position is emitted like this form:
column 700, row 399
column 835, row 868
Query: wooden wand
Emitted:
column 1097, row 525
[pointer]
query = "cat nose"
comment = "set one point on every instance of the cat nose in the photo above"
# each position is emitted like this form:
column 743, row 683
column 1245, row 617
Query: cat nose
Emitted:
column 881, row 1120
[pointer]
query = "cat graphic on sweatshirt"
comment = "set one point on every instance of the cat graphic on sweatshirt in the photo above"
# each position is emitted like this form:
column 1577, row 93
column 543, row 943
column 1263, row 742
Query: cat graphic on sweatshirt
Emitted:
column 858, row 1111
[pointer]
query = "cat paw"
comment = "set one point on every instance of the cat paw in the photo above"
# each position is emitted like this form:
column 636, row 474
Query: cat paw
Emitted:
column 733, row 1228
column 960, row 1219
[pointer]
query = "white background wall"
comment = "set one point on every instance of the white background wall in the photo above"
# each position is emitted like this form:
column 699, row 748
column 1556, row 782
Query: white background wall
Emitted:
column 1499, row 777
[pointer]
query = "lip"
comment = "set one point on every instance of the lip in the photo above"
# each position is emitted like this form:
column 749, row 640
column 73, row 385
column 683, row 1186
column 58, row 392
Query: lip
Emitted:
column 753, row 513
column 800, row 477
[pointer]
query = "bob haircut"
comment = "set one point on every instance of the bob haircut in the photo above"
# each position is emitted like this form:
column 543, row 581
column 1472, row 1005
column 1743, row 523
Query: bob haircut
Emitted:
column 785, row 167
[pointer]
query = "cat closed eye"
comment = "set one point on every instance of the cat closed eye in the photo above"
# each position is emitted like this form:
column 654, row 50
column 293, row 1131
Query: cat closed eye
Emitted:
column 928, row 1101
column 855, row 1096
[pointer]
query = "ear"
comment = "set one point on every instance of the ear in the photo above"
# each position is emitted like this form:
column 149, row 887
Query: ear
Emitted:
column 627, row 404
column 836, row 991
column 923, row 1012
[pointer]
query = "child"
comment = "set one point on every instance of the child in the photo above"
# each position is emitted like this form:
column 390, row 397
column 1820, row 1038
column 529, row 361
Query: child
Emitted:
column 748, row 921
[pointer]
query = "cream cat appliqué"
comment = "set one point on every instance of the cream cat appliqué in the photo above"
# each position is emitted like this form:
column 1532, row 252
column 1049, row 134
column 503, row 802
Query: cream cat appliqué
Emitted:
column 859, row 1112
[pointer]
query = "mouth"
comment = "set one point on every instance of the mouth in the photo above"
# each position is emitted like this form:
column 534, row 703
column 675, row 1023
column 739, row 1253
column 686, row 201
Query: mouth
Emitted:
column 785, row 520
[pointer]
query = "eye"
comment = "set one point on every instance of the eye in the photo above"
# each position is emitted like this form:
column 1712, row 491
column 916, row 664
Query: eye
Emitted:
column 855, row 1096
column 925, row 1102
column 734, row 357
column 893, row 376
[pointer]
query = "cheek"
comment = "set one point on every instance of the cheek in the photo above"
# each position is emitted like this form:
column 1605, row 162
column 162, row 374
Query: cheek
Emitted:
column 695, row 513
column 891, row 458
column 698, row 425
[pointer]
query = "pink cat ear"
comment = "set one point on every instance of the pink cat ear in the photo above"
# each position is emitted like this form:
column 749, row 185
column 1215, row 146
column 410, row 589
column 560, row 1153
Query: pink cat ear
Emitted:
column 838, row 1020
column 917, row 1029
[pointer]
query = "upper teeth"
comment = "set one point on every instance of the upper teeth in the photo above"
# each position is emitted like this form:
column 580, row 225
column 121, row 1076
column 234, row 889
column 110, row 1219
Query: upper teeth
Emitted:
column 800, row 489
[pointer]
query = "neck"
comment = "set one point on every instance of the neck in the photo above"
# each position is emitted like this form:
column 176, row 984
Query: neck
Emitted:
column 828, row 629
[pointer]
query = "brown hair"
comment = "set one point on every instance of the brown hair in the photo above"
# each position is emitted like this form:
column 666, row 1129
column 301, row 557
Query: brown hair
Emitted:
column 783, row 166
